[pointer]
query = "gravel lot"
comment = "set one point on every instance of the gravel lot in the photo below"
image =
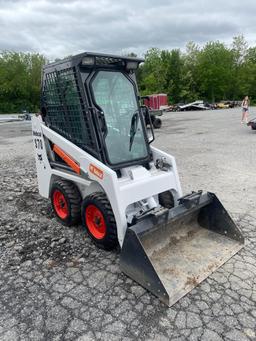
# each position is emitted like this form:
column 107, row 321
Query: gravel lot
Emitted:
column 55, row 285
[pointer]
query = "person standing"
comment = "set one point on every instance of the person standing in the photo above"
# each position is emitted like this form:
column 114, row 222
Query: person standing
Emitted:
column 245, row 109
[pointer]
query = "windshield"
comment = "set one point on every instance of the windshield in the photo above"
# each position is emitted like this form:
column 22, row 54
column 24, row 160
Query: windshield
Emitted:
column 115, row 96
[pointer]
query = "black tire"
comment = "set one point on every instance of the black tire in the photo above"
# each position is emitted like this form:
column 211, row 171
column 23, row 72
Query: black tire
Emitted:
column 109, row 240
column 157, row 123
column 166, row 199
column 73, row 200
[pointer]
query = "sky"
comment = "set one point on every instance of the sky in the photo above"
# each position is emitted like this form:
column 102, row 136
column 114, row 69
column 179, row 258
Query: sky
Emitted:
column 57, row 28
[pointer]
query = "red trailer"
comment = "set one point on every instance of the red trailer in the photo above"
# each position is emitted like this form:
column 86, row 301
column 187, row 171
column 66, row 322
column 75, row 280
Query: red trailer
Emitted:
column 156, row 101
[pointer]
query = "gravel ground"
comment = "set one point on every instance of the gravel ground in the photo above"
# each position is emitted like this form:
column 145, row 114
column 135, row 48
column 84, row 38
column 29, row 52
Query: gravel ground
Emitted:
column 54, row 283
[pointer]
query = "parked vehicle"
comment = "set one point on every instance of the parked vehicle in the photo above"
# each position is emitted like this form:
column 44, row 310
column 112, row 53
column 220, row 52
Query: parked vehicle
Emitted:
column 26, row 116
column 156, row 101
column 150, row 113
column 228, row 104
column 196, row 105
column 222, row 105
column 252, row 123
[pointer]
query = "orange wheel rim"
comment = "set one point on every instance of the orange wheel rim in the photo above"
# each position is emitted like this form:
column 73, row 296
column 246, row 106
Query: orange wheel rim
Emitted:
column 95, row 222
column 60, row 204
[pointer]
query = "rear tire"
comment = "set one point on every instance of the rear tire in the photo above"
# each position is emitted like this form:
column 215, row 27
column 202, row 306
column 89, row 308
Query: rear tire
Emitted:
column 166, row 199
column 99, row 221
column 66, row 202
column 157, row 123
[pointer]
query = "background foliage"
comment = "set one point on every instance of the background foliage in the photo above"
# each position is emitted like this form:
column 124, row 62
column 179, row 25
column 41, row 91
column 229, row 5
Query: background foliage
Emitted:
column 213, row 72
column 20, row 77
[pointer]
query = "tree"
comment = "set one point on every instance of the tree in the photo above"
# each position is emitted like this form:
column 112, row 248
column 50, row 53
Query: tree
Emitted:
column 239, row 49
column 248, row 74
column 161, row 72
column 239, row 82
column 20, row 75
column 174, row 75
column 152, row 75
column 215, row 71
column 190, row 89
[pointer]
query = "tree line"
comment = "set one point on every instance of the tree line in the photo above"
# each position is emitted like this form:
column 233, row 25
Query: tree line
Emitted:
column 212, row 73
column 20, row 79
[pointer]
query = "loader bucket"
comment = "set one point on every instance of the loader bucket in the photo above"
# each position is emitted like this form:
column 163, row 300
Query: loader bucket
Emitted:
column 172, row 253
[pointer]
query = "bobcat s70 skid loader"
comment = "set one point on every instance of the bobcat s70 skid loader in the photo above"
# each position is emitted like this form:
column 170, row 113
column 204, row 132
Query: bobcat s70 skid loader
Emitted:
column 95, row 162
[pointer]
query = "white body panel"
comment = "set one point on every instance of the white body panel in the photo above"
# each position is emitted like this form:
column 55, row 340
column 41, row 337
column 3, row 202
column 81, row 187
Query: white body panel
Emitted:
column 137, row 183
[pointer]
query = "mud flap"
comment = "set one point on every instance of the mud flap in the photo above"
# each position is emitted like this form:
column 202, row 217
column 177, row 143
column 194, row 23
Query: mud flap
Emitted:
column 173, row 252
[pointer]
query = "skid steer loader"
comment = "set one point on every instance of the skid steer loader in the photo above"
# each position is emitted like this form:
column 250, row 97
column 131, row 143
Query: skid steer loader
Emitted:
column 95, row 162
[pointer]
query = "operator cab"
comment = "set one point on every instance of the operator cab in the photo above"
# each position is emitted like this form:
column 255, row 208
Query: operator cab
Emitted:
column 97, row 107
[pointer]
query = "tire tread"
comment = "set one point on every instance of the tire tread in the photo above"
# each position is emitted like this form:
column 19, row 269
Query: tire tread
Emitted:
column 74, row 198
column 110, row 241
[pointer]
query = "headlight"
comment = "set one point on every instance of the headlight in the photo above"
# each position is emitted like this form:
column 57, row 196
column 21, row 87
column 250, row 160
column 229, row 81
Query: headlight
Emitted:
column 131, row 65
column 88, row 60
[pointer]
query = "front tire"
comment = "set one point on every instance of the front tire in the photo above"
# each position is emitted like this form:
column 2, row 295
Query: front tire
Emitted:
column 99, row 221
